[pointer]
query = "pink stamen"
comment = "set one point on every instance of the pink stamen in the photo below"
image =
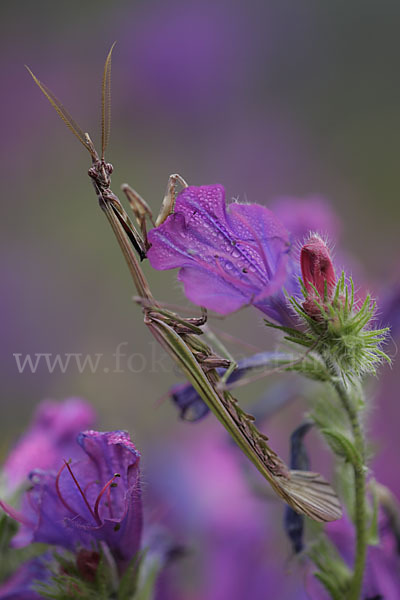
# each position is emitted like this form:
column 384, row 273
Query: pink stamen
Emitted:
column 105, row 488
column 110, row 509
column 59, row 494
column 96, row 518
column 15, row 514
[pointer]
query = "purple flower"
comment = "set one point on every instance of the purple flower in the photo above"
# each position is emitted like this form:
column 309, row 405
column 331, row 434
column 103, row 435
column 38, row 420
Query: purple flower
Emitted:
column 50, row 438
column 302, row 216
column 299, row 459
column 391, row 309
column 382, row 572
column 227, row 257
column 94, row 498
column 236, row 545
column 192, row 408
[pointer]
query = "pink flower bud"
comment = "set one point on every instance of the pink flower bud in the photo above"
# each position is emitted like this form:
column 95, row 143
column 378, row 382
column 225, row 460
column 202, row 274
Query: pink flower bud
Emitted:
column 316, row 269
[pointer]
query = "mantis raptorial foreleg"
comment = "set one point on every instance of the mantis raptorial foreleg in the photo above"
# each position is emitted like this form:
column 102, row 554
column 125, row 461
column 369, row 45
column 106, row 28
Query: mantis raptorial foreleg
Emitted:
column 168, row 203
column 142, row 210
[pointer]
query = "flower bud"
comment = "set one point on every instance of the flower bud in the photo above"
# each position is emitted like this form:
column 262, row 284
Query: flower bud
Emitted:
column 318, row 274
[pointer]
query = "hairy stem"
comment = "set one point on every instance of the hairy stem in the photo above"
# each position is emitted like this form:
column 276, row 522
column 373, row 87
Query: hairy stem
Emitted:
column 359, row 492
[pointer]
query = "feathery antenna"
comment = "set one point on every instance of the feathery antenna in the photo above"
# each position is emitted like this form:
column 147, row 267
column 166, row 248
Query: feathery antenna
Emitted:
column 62, row 111
column 106, row 103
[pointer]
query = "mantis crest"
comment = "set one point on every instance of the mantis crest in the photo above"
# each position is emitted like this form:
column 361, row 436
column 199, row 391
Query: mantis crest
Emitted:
column 306, row 492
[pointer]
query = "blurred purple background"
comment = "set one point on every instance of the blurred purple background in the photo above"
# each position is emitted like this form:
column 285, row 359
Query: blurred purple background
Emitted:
column 269, row 99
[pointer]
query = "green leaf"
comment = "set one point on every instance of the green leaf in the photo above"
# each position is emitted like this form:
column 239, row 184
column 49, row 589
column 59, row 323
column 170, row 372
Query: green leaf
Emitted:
column 345, row 486
column 151, row 564
column 13, row 558
column 342, row 446
column 329, row 583
column 8, row 528
column 146, row 590
column 332, row 572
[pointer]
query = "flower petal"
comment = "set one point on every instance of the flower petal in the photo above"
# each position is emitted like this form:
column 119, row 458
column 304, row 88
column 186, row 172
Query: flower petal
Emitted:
column 228, row 257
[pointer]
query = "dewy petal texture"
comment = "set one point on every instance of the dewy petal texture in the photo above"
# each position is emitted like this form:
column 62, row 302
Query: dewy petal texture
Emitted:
column 227, row 257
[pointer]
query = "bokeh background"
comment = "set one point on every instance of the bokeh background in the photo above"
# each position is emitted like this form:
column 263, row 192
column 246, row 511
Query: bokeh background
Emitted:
column 269, row 98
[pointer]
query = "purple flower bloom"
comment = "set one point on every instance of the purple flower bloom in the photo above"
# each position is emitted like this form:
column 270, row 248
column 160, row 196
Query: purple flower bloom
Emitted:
column 306, row 216
column 96, row 497
column 382, row 572
column 227, row 257
column 192, row 408
column 299, row 459
column 50, row 438
column 302, row 216
column 391, row 309
column 236, row 542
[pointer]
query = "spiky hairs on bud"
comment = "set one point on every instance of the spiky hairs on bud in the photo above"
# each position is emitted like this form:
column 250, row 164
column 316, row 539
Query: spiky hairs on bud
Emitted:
column 334, row 325
column 342, row 333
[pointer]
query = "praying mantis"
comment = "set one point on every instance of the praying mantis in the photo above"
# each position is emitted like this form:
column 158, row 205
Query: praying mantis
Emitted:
column 306, row 492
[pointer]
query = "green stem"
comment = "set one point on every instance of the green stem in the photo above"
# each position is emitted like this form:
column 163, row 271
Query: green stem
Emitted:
column 360, row 515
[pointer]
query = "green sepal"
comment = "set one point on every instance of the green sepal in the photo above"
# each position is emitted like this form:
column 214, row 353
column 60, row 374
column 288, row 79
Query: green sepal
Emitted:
column 342, row 332
column 128, row 583
column 66, row 582
column 310, row 367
